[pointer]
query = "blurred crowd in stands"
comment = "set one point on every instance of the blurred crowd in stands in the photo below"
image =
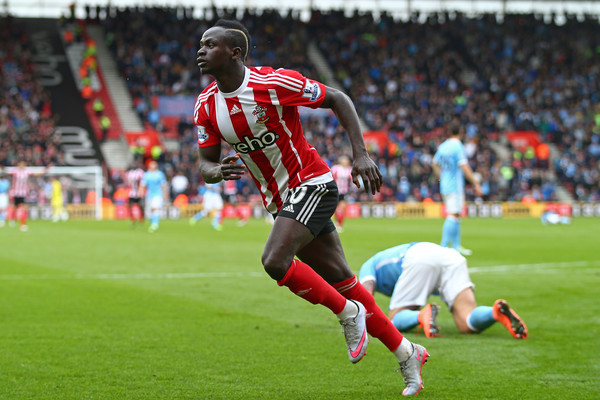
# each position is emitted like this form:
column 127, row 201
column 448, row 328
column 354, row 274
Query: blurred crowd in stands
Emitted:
column 27, row 126
column 407, row 78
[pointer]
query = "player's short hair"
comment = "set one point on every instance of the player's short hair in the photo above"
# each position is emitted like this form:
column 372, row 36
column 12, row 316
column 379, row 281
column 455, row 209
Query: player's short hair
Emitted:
column 454, row 128
column 237, row 35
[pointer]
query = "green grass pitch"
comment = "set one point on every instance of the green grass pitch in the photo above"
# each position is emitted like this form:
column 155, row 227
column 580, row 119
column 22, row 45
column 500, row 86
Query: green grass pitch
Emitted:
column 97, row 310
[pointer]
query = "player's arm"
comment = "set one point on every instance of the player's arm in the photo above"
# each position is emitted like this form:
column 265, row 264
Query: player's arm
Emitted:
column 214, row 170
column 370, row 286
column 165, row 190
column 362, row 164
column 142, row 187
column 470, row 176
column 437, row 170
column 366, row 275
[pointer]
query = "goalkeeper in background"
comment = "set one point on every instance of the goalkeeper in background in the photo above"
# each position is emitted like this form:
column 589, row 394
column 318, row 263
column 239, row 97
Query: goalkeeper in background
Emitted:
column 59, row 213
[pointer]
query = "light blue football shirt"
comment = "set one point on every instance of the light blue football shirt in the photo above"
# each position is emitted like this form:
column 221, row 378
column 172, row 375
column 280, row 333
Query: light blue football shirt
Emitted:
column 385, row 268
column 4, row 185
column 153, row 181
column 450, row 156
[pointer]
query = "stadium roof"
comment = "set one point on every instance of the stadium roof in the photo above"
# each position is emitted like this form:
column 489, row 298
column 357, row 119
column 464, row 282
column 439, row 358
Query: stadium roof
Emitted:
column 400, row 8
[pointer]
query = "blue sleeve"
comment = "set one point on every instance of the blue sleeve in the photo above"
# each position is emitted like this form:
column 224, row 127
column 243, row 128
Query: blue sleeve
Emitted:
column 461, row 154
column 367, row 271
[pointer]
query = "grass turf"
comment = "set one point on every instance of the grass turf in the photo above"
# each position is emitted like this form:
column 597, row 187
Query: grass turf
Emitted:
column 97, row 310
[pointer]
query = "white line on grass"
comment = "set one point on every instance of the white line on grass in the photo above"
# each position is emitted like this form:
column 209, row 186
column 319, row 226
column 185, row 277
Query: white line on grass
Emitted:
column 541, row 268
column 171, row 275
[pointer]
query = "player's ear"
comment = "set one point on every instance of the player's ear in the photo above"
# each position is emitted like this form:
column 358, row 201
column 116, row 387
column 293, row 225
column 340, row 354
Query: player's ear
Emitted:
column 236, row 54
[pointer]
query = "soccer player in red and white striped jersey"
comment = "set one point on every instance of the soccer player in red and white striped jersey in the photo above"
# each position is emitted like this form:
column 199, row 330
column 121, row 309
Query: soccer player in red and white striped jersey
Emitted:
column 255, row 110
column 133, row 178
column 19, row 191
column 342, row 174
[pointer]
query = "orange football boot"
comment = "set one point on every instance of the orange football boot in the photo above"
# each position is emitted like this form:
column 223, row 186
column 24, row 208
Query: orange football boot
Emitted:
column 427, row 320
column 510, row 319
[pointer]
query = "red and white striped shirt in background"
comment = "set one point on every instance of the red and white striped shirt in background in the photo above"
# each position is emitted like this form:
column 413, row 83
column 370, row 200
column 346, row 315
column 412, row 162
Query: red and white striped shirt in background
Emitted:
column 20, row 182
column 134, row 177
column 230, row 188
column 343, row 177
column 260, row 120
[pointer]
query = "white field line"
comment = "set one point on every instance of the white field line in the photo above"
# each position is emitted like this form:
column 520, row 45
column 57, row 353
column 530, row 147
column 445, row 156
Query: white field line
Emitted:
column 540, row 268
column 139, row 276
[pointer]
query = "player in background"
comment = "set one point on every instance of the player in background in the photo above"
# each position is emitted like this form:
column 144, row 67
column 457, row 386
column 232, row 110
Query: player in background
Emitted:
column 212, row 204
column 255, row 110
column 19, row 190
column 230, row 191
column 451, row 167
column 4, row 188
column 410, row 273
column 552, row 217
column 133, row 179
column 154, row 184
column 57, row 201
column 342, row 174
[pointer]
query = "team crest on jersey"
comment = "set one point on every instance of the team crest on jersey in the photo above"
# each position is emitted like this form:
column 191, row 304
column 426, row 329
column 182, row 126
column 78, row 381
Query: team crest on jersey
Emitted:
column 261, row 114
column 311, row 90
column 202, row 135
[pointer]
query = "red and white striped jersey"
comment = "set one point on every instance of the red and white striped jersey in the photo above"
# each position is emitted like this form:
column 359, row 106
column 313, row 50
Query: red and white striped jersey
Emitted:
column 343, row 177
column 260, row 120
column 230, row 188
column 20, row 182
column 134, row 177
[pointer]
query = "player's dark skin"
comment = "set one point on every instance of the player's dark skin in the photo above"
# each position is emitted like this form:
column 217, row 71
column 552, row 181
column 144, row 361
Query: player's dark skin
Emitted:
column 219, row 57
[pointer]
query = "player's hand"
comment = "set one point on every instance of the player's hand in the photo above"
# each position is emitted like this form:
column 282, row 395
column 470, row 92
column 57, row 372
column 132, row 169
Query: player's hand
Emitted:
column 231, row 170
column 366, row 168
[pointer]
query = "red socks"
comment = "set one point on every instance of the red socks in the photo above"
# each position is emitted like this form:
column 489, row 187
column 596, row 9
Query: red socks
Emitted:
column 378, row 324
column 21, row 214
column 303, row 281
column 136, row 213
column 339, row 216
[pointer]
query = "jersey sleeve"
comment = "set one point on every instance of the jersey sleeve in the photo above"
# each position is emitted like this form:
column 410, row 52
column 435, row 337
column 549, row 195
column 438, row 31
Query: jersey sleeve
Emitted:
column 367, row 272
column 299, row 90
column 461, row 154
column 207, row 135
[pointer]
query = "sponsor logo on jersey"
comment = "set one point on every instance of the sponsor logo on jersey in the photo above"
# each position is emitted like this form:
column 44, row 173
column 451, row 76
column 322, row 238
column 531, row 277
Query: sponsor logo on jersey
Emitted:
column 202, row 135
column 261, row 114
column 249, row 144
column 289, row 208
column 235, row 109
column 311, row 90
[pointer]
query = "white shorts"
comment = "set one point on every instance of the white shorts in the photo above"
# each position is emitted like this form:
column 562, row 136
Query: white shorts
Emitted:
column 212, row 201
column 454, row 202
column 3, row 201
column 429, row 268
column 155, row 202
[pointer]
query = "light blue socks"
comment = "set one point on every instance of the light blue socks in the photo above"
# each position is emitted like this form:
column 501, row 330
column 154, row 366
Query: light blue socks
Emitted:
column 155, row 217
column 480, row 318
column 451, row 232
column 406, row 319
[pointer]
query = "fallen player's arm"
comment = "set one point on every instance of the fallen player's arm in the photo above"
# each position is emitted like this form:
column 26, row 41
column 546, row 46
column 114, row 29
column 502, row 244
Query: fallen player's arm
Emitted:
column 370, row 286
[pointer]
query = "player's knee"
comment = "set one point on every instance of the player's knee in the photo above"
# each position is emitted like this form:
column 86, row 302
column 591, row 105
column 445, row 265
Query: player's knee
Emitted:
column 274, row 266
